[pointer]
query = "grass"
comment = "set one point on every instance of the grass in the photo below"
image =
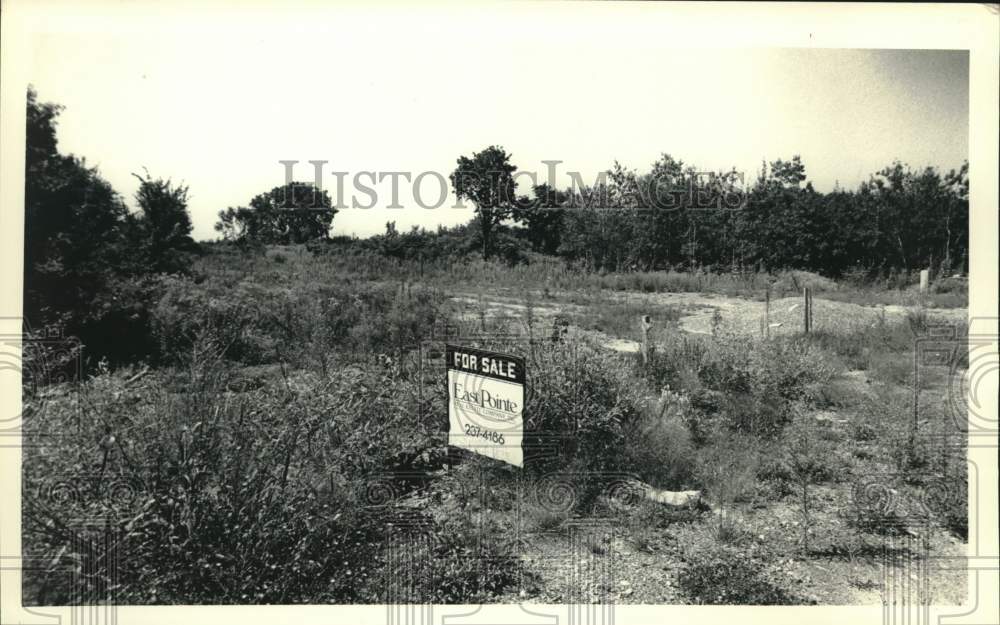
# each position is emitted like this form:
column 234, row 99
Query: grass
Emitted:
column 621, row 319
column 548, row 276
column 289, row 434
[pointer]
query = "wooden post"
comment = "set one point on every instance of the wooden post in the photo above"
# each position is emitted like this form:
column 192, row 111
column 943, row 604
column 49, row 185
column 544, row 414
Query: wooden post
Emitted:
column 810, row 310
column 916, row 394
column 924, row 280
column 645, row 323
column 806, row 309
column 767, row 313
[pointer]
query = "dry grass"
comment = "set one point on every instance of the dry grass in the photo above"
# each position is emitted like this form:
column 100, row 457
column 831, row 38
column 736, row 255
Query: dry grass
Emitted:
column 261, row 433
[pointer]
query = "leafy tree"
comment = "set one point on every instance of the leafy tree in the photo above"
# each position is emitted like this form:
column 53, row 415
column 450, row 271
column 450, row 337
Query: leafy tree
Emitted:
column 956, row 215
column 543, row 216
column 75, row 229
column 89, row 264
column 294, row 213
column 487, row 180
column 921, row 217
column 234, row 223
column 164, row 225
column 788, row 173
column 898, row 220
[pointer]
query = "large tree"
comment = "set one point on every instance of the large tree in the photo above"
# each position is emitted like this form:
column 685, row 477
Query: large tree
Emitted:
column 75, row 239
column 486, row 179
column 294, row 213
column 164, row 225
column 87, row 259
column 543, row 216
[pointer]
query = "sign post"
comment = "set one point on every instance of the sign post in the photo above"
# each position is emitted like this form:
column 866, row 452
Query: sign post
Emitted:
column 486, row 403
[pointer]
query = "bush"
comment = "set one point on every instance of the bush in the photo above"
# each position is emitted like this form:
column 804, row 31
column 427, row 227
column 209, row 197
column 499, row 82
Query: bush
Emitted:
column 88, row 261
column 228, row 504
column 953, row 511
column 659, row 448
column 725, row 574
column 474, row 562
column 727, row 470
column 676, row 362
column 794, row 281
column 586, row 396
column 742, row 384
column 120, row 330
column 951, row 284
column 859, row 346
column 810, row 457
column 863, row 432
column 308, row 326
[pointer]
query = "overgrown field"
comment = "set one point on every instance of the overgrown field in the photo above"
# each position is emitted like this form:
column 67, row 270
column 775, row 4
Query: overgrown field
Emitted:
column 287, row 443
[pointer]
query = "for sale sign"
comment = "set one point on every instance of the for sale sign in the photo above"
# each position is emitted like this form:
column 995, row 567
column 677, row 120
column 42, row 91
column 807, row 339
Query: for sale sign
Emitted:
column 486, row 403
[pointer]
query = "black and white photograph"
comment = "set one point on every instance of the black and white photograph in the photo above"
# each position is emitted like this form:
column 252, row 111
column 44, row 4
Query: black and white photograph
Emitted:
column 530, row 304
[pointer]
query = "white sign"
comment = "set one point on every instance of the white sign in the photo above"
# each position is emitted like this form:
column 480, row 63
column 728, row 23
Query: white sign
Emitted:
column 486, row 403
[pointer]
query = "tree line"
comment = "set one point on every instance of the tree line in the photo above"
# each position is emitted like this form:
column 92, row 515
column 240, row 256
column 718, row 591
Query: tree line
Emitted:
column 90, row 262
column 88, row 259
column 899, row 219
column 676, row 216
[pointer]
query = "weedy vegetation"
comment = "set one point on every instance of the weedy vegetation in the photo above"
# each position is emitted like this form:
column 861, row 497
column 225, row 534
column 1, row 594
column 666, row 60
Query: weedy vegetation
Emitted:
column 263, row 419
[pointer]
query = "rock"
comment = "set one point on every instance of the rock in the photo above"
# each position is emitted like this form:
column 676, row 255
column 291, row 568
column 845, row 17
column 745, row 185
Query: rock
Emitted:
column 677, row 499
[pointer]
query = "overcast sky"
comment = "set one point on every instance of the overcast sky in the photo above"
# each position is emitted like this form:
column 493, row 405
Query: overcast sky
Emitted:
column 218, row 102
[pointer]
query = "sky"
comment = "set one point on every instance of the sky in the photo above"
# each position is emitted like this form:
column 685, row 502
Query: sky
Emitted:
column 216, row 102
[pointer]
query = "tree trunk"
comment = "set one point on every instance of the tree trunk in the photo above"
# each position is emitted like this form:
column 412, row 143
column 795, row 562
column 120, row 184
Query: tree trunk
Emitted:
column 947, row 240
column 486, row 227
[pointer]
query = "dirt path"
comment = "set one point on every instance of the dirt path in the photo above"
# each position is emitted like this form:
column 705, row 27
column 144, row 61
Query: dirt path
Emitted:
column 746, row 316
column 699, row 312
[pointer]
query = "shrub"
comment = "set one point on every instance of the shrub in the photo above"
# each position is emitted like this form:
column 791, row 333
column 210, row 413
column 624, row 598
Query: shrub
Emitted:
column 808, row 460
column 863, row 432
column 584, row 405
column 120, row 331
column 659, row 448
column 448, row 558
column 227, row 503
column 950, row 284
column 952, row 508
column 794, row 281
column 88, row 261
column 727, row 469
column 475, row 562
column 306, row 326
column 743, row 384
column 858, row 346
column 676, row 362
column 726, row 574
